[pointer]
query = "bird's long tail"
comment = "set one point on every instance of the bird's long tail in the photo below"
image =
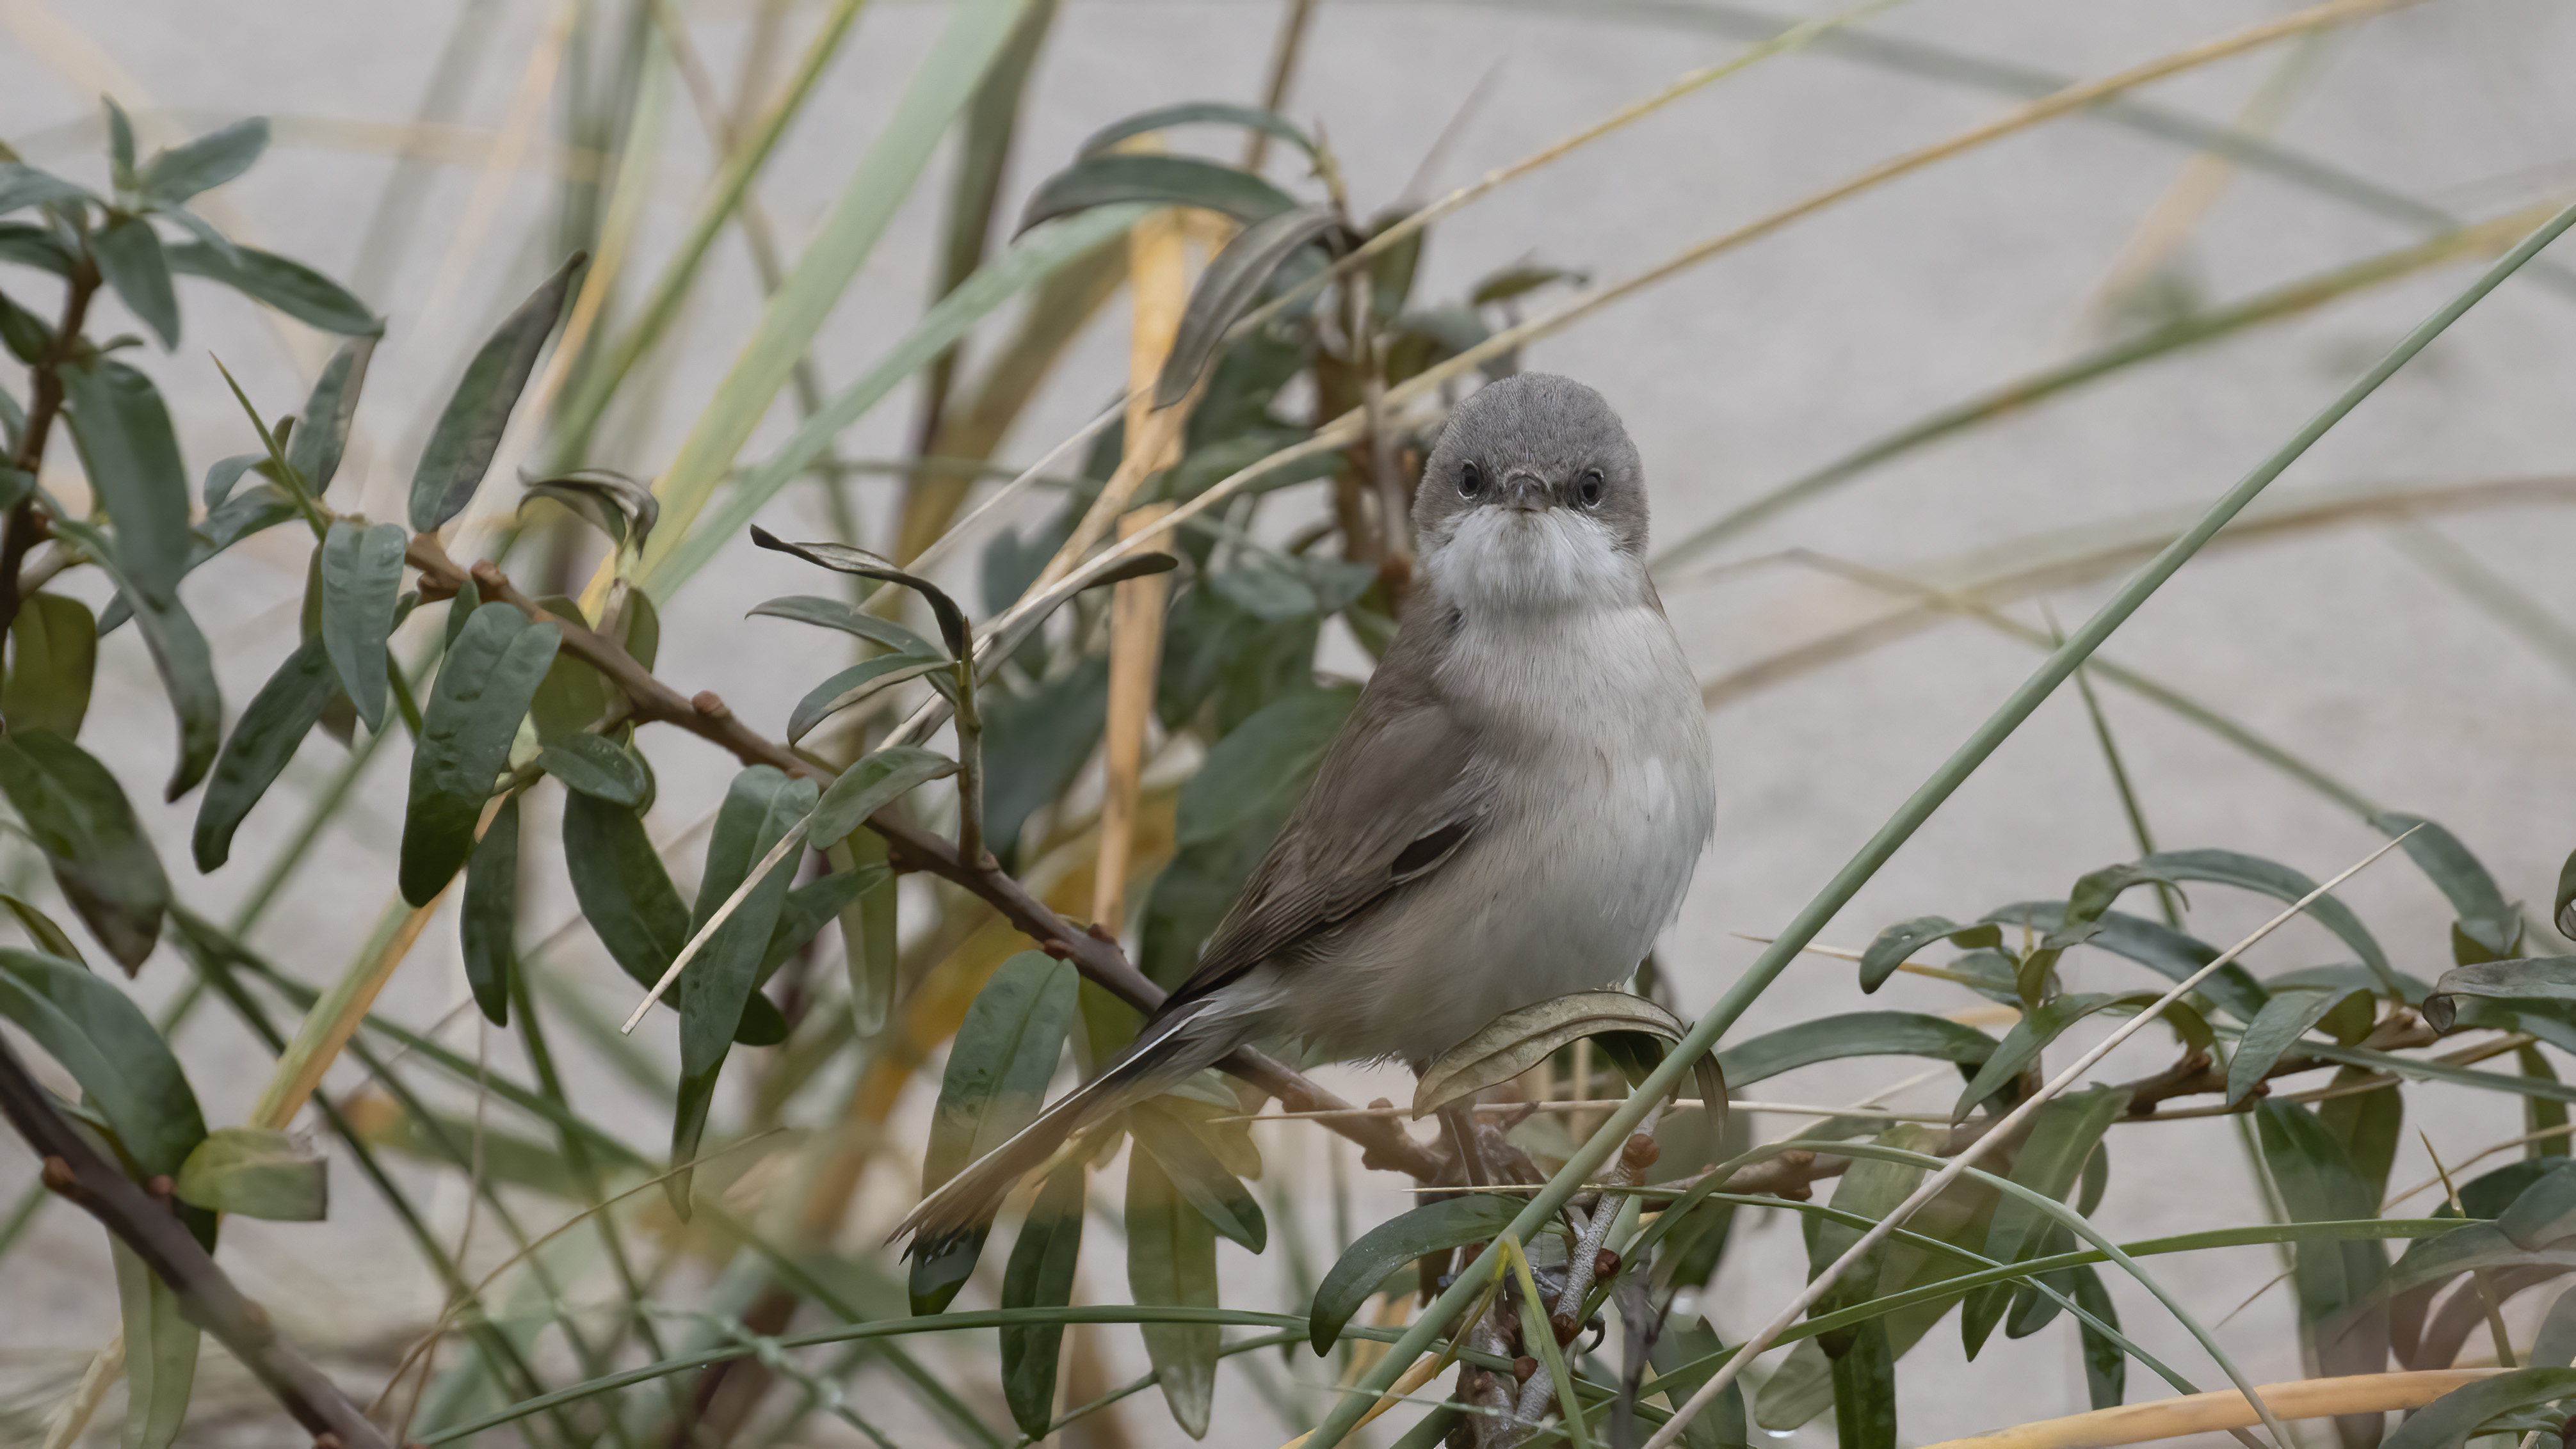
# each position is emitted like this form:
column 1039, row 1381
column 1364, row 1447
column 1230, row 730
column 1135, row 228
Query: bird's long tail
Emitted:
column 1166, row 1055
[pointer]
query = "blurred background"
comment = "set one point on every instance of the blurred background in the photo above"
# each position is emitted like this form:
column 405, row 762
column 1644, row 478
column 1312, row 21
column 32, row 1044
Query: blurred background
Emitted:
column 2399, row 618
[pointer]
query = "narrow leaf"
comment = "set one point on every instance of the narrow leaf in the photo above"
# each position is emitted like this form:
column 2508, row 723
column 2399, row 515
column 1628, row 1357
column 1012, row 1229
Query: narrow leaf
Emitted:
column 362, row 568
column 160, row 1353
column 841, row 558
column 1231, row 283
column 1190, row 113
column 597, row 765
column 1171, row 1261
column 129, row 258
column 875, row 781
column 259, row 1173
column 78, row 815
column 276, row 721
column 998, row 1068
column 2246, row 872
column 1203, row 1182
column 204, row 163
column 53, row 656
column 859, row 682
column 1040, row 1275
column 97, row 1034
column 22, row 186
column 2536, row 979
column 1858, row 1034
column 2275, row 1030
column 290, row 286
column 132, row 458
column 849, row 619
column 489, row 921
column 473, row 713
column 613, row 503
column 469, row 429
column 1897, row 942
column 49, row 936
column 1390, row 1245
column 330, row 410
column 1106, row 180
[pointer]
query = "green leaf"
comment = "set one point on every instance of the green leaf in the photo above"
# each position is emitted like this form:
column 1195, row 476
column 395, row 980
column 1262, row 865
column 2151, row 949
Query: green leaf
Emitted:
column 841, row 558
column 53, row 656
column 34, row 246
column 2562, row 906
column 27, row 336
column 1035, row 742
column 1191, row 113
column 611, row 502
column 2343, row 1286
column 129, row 257
column 120, row 144
column 1865, row 1391
column 1171, row 1262
column 179, row 652
column 2490, row 922
column 469, row 428
column 97, row 1033
column 1433, row 1228
column 1518, row 1040
column 277, row 720
column 2454, row 1418
column 49, row 936
column 226, row 474
column 1858, row 1034
column 23, row 186
column 622, row 888
column 79, row 817
column 2064, row 1134
column 160, row 1352
column 1234, row 278
column 854, row 684
column 2246, row 872
column 759, row 807
column 1903, row 939
column 258, row 1173
column 1194, row 1171
column 998, row 1068
column 849, row 619
column 132, row 458
column 2151, row 944
column 362, row 566
column 870, row 784
column 473, row 714
column 2106, row 1367
column 2278, row 1027
column 1108, row 180
column 870, row 948
column 322, row 433
column 2031, row 1035
column 597, row 765
column 2537, row 979
column 291, row 287
column 810, row 906
column 204, row 163
column 1040, row 1275
column 489, row 921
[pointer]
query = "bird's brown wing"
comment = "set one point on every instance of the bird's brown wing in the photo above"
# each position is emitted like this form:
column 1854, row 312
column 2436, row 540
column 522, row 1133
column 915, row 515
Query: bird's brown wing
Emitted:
column 1399, row 792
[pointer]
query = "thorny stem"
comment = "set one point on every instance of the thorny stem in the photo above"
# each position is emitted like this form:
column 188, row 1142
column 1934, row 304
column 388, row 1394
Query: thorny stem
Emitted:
column 25, row 525
column 1385, row 1143
column 206, row 1295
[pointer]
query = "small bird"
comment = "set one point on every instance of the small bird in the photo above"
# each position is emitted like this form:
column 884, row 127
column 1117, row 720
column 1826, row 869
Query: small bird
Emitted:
column 1511, row 813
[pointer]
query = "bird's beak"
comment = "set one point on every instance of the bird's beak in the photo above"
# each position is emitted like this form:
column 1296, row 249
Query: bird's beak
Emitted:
column 1527, row 492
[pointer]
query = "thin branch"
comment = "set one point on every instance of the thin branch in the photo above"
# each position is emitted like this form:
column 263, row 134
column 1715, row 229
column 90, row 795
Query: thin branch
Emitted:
column 26, row 526
column 206, row 1295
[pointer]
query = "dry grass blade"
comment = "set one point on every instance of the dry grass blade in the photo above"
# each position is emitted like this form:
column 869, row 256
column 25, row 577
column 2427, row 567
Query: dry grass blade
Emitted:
column 2372, row 1394
column 2003, row 1131
column 1135, row 649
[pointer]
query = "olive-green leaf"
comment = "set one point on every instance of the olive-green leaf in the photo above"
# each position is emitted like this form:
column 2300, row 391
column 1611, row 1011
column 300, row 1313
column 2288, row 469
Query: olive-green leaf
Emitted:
column 264, row 739
column 1193, row 113
column 178, row 651
column 226, row 474
column 53, row 656
column 1233, row 279
column 2247, row 872
column 1171, row 1262
column 858, row 682
column 488, row 924
column 257, row 1172
column 1160, row 180
column 44, row 930
column 469, row 428
column 79, row 817
column 98, row 1035
column 132, row 458
column 622, row 887
column 1857, row 1034
column 1434, row 1228
column 849, row 619
column 160, row 1352
column 2453, row 1419
column 362, row 566
column 597, row 765
column 810, row 907
column 2064, row 1135
column 482, row 693
column 322, row 432
column 1205, row 1183
column 2277, row 1028
column 34, row 246
column 290, row 286
column 998, row 1068
column 2152, row 944
column 1040, row 1275
column 130, row 260
column 2562, row 905
column 25, row 334
column 841, row 558
column 1903, row 939
column 2106, row 1364
column 204, row 163
column 22, row 186
column 1516, row 1041
column 611, row 502
column 870, row 784
column 2535, row 978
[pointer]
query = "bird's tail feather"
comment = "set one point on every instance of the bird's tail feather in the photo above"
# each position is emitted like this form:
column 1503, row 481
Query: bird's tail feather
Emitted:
column 971, row 1198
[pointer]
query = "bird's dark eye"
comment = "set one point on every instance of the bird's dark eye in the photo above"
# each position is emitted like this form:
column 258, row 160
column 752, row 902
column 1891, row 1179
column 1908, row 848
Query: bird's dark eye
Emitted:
column 1590, row 489
column 1471, row 480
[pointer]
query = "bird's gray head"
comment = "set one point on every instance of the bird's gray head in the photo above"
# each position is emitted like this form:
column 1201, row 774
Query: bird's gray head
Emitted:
column 1535, row 498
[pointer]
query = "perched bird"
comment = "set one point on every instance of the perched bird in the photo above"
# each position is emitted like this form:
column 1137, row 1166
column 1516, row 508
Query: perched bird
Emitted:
column 1511, row 813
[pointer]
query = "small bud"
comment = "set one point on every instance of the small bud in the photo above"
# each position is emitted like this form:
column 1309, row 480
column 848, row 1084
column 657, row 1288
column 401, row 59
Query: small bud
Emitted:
column 1058, row 947
column 1565, row 1327
column 58, row 1175
column 326, row 1440
column 1605, row 1266
column 1639, row 1152
column 707, row 702
column 1523, row 1367
column 162, row 1188
column 1382, row 1104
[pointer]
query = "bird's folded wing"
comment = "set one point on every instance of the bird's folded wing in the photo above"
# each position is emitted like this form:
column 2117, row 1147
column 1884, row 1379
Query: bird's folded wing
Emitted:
column 1400, row 791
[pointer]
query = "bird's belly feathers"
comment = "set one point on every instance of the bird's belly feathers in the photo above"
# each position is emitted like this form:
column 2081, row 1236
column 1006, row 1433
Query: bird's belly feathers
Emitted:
column 1564, row 886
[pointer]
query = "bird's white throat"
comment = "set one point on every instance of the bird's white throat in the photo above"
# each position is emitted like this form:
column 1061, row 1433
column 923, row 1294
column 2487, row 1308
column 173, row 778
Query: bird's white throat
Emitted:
column 1550, row 560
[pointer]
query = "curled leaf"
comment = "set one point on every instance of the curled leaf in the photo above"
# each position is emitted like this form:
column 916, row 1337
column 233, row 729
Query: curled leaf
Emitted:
column 469, row 428
column 1161, row 180
column 1192, row 113
column 841, row 558
column 1516, row 1041
column 1226, row 290
column 613, row 503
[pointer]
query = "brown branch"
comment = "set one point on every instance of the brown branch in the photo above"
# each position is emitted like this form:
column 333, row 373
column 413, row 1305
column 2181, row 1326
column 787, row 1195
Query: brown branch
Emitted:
column 25, row 526
column 206, row 1295
column 1385, row 1143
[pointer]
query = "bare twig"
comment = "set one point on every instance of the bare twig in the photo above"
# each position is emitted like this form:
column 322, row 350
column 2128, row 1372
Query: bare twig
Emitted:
column 206, row 1295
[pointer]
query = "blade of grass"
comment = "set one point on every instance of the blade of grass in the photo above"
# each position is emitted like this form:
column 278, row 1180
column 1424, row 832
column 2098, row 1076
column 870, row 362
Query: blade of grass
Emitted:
column 1954, row 771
